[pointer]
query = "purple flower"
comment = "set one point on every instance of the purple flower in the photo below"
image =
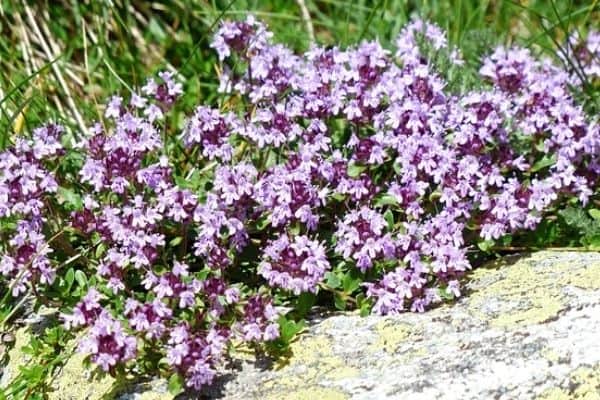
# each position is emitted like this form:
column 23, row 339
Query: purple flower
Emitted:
column 211, row 131
column 107, row 343
column 361, row 236
column 85, row 312
column 297, row 264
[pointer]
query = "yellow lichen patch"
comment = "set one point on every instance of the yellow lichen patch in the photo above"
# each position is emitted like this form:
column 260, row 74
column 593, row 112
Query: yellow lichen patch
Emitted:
column 586, row 278
column 520, row 294
column 71, row 382
column 391, row 335
column 310, row 349
column 153, row 395
column 516, row 295
column 588, row 383
column 316, row 353
column 539, row 307
column 74, row 382
column 311, row 393
column 550, row 354
column 554, row 394
column 419, row 352
column 585, row 384
column 312, row 363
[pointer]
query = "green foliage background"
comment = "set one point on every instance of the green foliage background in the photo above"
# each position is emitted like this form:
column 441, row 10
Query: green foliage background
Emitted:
column 60, row 58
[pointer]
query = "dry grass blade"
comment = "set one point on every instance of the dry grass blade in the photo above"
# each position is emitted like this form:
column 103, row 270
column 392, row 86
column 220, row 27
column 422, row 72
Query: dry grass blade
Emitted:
column 57, row 72
column 310, row 30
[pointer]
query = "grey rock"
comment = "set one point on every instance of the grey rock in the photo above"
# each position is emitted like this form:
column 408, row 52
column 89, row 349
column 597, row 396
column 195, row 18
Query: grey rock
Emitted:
column 528, row 327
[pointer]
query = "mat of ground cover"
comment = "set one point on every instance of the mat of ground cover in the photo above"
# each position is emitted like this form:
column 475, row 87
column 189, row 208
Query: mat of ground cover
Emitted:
column 527, row 328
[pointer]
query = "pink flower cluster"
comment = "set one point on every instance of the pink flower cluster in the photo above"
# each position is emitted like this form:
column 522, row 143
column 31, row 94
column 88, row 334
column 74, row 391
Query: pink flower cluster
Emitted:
column 25, row 184
column 489, row 161
column 357, row 160
column 134, row 209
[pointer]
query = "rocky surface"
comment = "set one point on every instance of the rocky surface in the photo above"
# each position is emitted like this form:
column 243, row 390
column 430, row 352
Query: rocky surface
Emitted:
column 527, row 328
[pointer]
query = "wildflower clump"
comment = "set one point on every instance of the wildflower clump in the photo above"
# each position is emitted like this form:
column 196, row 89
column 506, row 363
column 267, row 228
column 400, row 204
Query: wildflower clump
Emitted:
column 355, row 174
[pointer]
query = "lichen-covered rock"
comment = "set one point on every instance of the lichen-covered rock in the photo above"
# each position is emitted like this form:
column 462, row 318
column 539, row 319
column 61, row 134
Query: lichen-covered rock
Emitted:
column 16, row 357
column 527, row 328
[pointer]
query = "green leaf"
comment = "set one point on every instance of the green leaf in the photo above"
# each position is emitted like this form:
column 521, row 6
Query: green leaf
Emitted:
column 262, row 222
column 351, row 282
column 435, row 195
column 354, row 170
column 175, row 384
column 543, row 163
column 81, row 278
column 176, row 241
column 386, row 200
column 339, row 301
column 69, row 278
column 7, row 225
column 305, row 302
column 445, row 294
column 69, row 198
column 338, row 196
column 295, row 228
column 594, row 213
column 288, row 328
column 576, row 218
column 363, row 304
column 156, row 30
column 365, row 309
column 389, row 218
column 486, row 245
column 332, row 280
column 593, row 243
column 271, row 159
column 100, row 250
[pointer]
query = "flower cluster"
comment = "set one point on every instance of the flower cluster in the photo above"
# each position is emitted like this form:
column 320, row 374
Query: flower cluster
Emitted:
column 107, row 342
column 25, row 184
column 361, row 236
column 211, row 131
column 297, row 265
column 134, row 210
column 332, row 163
